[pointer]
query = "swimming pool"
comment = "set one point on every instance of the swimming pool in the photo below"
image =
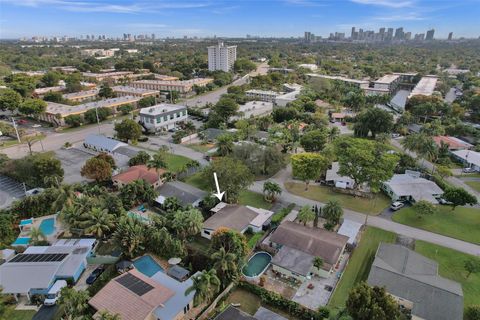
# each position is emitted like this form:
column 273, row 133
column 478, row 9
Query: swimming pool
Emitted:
column 26, row 222
column 23, row 241
column 48, row 226
column 257, row 265
column 147, row 265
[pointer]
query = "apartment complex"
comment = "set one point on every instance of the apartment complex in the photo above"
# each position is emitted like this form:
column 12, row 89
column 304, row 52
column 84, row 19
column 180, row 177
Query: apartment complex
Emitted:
column 262, row 95
column 163, row 117
column 81, row 96
column 425, row 87
column 122, row 91
column 182, row 87
column 221, row 57
column 113, row 76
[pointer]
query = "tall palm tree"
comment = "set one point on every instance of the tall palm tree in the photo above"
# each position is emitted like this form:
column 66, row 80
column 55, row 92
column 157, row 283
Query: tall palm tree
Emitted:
column 99, row 223
column 270, row 190
column 157, row 162
column 306, row 215
column 193, row 221
column 421, row 144
column 130, row 236
column 37, row 235
column 65, row 196
column 333, row 133
column 225, row 264
column 224, row 144
column 332, row 212
column 192, row 164
column 318, row 263
column 205, row 285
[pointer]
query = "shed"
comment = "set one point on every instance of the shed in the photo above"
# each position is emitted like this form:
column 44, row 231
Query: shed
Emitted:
column 178, row 273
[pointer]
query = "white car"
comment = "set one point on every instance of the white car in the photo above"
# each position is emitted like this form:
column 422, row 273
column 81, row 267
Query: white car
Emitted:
column 37, row 126
column 468, row 170
column 54, row 293
column 397, row 205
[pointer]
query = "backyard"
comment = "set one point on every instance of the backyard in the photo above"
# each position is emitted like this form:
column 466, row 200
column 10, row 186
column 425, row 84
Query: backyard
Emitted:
column 359, row 264
column 12, row 314
column 451, row 264
column 247, row 197
column 463, row 223
column 323, row 194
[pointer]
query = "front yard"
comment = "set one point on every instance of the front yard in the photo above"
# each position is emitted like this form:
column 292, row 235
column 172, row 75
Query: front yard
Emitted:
column 359, row 264
column 463, row 223
column 12, row 314
column 475, row 185
column 323, row 194
column 451, row 264
column 175, row 162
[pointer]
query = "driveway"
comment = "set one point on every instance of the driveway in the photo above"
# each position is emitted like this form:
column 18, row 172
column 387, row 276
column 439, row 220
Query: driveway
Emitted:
column 45, row 313
column 10, row 190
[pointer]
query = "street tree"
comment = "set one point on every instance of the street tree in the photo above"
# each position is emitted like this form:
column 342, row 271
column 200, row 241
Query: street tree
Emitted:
column 225, row 108
column 270, row 190
column 332, row 212
column 421, row 144
column 32, row 107
column 10, row 100
column 373, row 121
column 128, row 130
column 459, row 197
column 306, row 215
column 314, row 140
column 142, row 157
column 472, row 265
column 308, row 166
column 97, row 169
column 423, row 208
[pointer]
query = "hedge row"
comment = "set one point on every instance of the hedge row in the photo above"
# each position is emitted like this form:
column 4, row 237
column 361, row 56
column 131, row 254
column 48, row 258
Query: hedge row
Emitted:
column 291, row 307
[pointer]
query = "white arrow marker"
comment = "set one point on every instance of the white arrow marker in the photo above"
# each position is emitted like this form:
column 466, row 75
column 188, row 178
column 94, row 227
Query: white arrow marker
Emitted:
column 219, row 194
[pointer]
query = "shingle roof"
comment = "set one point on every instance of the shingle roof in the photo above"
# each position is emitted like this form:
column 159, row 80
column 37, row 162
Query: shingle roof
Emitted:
column 232, row 313
column 314, row 241
column 231, row 216
column 185, row 193
column 409, row 275
column 265, row 314
column 293, row 260
column 140, row 172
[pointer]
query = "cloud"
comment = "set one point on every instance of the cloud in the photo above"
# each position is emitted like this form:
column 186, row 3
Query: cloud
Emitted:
column 386, row 3
column 401, row 17
column 305, row 3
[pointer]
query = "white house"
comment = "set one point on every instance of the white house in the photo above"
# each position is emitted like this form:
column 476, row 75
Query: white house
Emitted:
column 469, row 157
column 333, row 178
column 411, row 187
column 163, row 117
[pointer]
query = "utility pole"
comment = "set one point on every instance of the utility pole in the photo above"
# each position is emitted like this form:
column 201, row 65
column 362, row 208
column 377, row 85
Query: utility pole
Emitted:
column 98, row 120
column 16, row 130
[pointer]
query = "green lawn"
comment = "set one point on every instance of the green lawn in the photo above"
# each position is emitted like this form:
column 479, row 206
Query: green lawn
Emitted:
column 200, row 244
column 463, row 223
column 323, row 194
column 175, row 161
column 451, row 266
column 247, row 197
column 253, row 239
column 201, row 147
column 12, row 314
column 360, row 262
column 475, row 185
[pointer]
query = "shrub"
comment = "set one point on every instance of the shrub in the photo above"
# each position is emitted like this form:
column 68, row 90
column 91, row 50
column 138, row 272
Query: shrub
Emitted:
column 280, row 215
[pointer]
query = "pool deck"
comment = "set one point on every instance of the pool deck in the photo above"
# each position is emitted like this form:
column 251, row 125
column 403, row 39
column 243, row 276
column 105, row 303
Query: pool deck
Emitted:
column 36, row 222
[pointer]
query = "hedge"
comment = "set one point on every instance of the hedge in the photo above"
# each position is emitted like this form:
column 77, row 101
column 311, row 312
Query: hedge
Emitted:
column 275, row 300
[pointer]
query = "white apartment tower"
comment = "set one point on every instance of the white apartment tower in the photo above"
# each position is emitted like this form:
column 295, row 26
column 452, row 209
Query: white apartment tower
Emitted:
column 221, row 57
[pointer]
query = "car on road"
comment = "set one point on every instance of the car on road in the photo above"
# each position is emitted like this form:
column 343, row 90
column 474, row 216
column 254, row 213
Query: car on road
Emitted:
column 37, row 126
column 95, row 274
column 397, row 205
column 22, row 121
column 468, row 170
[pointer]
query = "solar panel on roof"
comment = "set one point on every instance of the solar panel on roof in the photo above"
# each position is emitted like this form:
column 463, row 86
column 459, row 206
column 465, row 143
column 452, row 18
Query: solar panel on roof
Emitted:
column 134, row 284
column 39, row 257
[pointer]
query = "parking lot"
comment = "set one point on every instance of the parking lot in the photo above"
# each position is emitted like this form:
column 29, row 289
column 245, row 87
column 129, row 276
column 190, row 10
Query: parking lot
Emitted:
column 72, row 162
column 10, row 190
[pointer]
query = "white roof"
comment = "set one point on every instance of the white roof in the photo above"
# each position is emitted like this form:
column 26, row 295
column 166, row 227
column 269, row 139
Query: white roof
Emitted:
column 332, row 175
column 425, row 86
column 261, row 218
column 350, row 229
column 86, row 93
column 160, row 109
column 410, row 185
column 132, row 89
column 469, row 156
column 6, row 254
column 315, row 75
column 388, row 78
column 75, row 242
column 66, row 110
column 264, row 92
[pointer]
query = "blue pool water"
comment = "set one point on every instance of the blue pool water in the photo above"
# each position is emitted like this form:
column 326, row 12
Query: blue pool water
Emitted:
column 48, row 226
column 26, row 222
column 147, row 265
column 21, row 241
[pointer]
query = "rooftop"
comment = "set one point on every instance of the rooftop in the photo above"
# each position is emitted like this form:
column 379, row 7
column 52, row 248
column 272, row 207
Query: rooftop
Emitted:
column 140, row 172
column 350, row 229
column 411, row 184
column 469, row 156
column 452, row 142
column 185, row 193
column 232, row 216
column 409, row 275
column 316, row 75
column 132, row 89
column 232, row 313
column 293, row 260
column 161, row 108
column 66, row 110
column 388, row 78
column 80, row 94
column 425, row 86
column 103, row 143
column 264, row 92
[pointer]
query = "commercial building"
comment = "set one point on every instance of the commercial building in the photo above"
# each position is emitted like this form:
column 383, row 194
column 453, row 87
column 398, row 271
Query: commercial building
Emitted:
column 388, row 83
column 56, row 113
column 81, row 96
column 114, row 76
column 34, row 271
column 413, row 281
column 297, row 247
column 122, row 91
column 409, row 186
column 262, row 95
column 163, row 117
column 40, row 92
column 292, row 91
column 221, row 57
column 430, row 34
column 164, row 77
column 100, row 143
column 134, row 296
column 235, row 217
column 182, row 87
column 425, row 87
column 253, row 109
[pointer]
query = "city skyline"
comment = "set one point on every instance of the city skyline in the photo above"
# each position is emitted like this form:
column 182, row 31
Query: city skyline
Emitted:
column 275, row 18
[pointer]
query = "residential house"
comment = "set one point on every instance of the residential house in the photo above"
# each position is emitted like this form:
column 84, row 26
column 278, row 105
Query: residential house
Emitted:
column 333, row 178
column 35, row 270
column 337, row 117
column 100, row 143
column 297, row 247
column 233, row 313
column 453, row 143
column 413, row 280
column 411, row 187
column 185, row 193
column 5, row 255
column 141, row 172
column 351, row 229
column 134, row 296
column 236, row 217
column 468, row 157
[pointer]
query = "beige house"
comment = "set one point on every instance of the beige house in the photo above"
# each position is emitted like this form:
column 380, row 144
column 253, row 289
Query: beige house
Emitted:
column 298, row 245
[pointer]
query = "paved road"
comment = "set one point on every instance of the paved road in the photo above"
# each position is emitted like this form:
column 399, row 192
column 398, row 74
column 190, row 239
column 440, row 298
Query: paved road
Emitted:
column 375, row 221
column 45, row 313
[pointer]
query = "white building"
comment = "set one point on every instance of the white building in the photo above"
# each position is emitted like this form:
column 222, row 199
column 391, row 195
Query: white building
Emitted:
column 425, row 87
column 292, row 92
column 262, row 95
column 411, row 187
column 254, row 109
column 221, row 57
column 162, row 117
column 310, row 66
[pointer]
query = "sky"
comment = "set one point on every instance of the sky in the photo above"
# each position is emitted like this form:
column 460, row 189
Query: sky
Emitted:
column 234, row 18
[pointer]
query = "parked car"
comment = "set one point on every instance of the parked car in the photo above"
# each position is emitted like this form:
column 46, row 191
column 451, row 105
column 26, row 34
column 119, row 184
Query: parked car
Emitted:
column 95, row 274
column 37, row 126
column 22, row 121
column 397, row 205
column 443, row 201
column 54, row 293
column 395, row 135
column 468, row 170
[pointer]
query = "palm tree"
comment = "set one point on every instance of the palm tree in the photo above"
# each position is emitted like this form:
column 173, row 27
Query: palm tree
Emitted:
column 224, row 144
column 105, row 315
column 192, row 164
column 157, row 162
column 130, row 236
column 205, row 285
column 333, row 133
column 65, row 196
column 168, row 176
column 225, row 264
column 270, row 190
column 422, row 145
column 318, row 263
column 75, row 303
column 306, row 215
column 332, row 212
column 37, row 235
column 99, row 223
column 193, row 221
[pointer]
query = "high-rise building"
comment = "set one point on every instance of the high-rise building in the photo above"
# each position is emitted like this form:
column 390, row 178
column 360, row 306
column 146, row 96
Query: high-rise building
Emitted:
column 153, row 36
column 308, row 36
column 221, row 57
column 450, row 36
column 430, row 34
column 408, row 35
column 381, row 33
column 399, row 35
column 389, row 34
column 352, row 35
